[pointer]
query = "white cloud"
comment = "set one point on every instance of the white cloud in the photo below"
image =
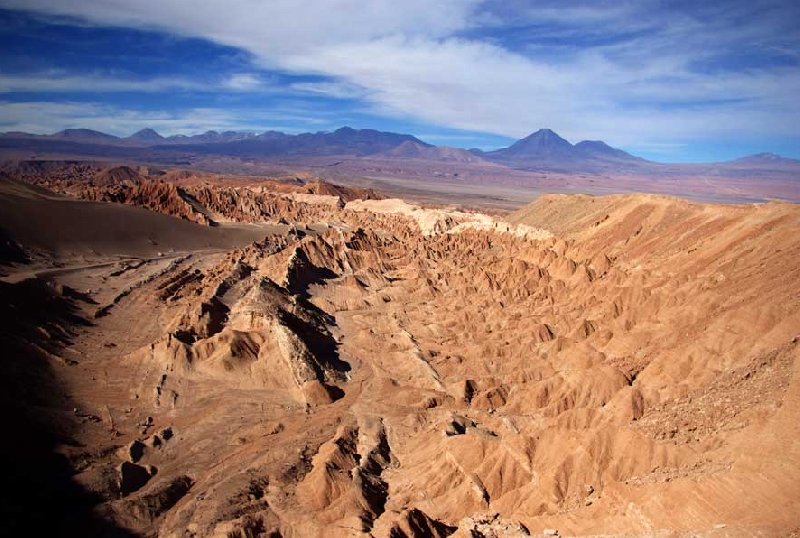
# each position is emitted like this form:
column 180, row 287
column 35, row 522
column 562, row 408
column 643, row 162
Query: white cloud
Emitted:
column 44, row 117
column 482, row 87
column 405, row 59
column 331, row 89
column 61, row 81
column 244, row 82
column 274, row 28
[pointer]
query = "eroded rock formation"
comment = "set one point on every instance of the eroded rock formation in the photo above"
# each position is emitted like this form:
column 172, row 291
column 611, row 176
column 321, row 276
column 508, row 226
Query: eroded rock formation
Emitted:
column 594, row 366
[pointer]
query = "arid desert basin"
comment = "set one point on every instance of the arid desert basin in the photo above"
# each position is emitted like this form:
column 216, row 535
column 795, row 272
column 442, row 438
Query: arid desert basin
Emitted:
column 303, row 359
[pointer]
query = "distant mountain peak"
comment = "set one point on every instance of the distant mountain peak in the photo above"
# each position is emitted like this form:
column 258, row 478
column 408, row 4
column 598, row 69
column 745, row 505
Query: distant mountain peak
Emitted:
column 599, row 149
column 84, row 135
column 544, row 137
column 592, row 144
column 765, row 158
column 541, row 145
column 82, row 131
column 543, row 132
column 415, row 150
column 545, row 148
column 147, row 135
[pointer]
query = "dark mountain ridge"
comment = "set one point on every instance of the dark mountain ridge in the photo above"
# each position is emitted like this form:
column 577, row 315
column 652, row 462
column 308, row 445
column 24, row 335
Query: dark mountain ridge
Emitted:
column 543, row 150
column 344, row 141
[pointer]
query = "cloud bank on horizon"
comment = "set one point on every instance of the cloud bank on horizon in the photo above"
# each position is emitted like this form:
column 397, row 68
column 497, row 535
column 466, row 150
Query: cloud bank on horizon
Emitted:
column 665, row 80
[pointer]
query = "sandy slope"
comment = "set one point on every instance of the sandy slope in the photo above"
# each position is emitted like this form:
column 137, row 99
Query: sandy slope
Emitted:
column 39, row 219
column 633, row 372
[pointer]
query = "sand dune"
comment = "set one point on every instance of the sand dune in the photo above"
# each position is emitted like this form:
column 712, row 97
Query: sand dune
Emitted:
column 40, row 219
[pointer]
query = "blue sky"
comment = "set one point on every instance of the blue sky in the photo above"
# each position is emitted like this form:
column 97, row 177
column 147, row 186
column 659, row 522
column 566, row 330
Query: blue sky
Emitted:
column 670, row 81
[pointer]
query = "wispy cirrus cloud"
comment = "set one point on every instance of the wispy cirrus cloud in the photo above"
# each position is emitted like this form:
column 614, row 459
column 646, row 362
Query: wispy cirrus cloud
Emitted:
column 245, row 82
column 342, row 90
column 40, row 116
column 53, row 81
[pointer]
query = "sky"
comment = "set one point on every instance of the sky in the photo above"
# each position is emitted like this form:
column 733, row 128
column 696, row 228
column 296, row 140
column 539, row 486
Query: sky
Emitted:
column 669, row 81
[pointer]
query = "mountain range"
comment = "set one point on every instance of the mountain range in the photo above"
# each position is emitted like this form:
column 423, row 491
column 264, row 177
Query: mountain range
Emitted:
column 346, row 141
column 543, row 150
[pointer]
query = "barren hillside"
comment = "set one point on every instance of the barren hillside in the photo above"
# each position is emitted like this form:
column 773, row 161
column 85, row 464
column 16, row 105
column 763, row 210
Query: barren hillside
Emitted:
column 621, row 365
